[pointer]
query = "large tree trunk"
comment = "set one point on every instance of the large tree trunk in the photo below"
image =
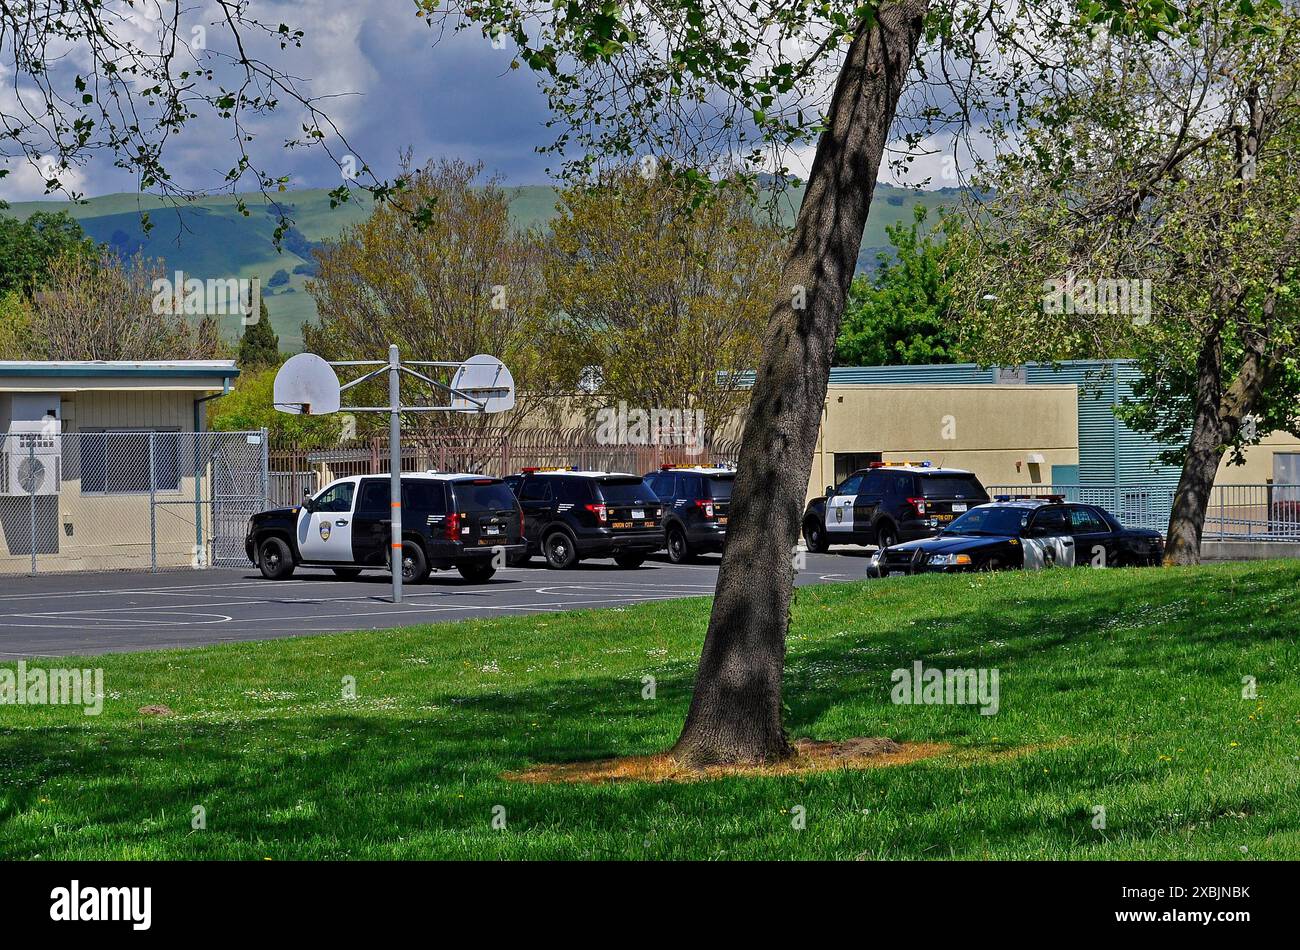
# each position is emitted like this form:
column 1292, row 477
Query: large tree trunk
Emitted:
column 1218, row 417
column 735, row 713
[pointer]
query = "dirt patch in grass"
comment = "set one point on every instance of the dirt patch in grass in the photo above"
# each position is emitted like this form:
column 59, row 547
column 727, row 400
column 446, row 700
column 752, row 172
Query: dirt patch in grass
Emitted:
column 810, row 756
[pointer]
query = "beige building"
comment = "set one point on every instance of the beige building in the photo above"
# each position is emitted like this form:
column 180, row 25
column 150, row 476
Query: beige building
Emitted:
column 100, row 467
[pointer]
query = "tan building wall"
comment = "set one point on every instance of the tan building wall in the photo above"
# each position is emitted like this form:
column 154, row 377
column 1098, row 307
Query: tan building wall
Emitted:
column 986, row 429
column 1258, row 467
column 108, row 531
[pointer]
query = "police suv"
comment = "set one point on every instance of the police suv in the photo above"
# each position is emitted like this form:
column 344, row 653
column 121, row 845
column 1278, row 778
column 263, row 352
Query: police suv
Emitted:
column 696, row 502
column 889, row 502
column 469, row 522
column 571, row 514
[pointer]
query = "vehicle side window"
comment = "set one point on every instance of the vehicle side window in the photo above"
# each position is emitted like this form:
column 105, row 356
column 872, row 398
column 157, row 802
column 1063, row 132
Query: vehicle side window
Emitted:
column 662, row 485
column 536, row 489
column 336, row 498
column 424, row 496
column 1053, row 521
column 851, row 486
column 902, row 485
column 514, row 481
column 574, row 490
column 693, row 487
column 876, row 483
column 374, row 497
column 1086, row 521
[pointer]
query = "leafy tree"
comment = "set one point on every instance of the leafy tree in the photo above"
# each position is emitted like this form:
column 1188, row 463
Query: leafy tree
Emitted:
column 102, row 309
column 28, row 247
column 249, row 406
column 671, row 306
column 15, row 326
column 460, row 280
column 260, row 345
column 901, row 315
column 1182, row 248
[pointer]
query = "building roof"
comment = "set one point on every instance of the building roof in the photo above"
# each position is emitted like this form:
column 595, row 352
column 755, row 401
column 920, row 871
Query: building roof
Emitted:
column 220, row 369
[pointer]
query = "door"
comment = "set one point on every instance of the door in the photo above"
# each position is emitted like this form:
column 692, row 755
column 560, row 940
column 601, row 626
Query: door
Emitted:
column 372, row 526
column 873, row 496
column 1048, row 542
column 325, row 534
column 535, row 499
column 1094, row 542
column 839, row 508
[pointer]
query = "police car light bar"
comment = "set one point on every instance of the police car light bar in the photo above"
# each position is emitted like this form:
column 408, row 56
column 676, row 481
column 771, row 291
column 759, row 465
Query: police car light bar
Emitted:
column 1054, row 499
column 924, row 464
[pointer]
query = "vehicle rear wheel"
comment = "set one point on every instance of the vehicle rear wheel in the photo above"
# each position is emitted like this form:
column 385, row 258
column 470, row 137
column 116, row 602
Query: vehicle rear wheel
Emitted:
column 679, row 551
column 886, row 536
column 347, row 573
column 559, row 551
column 814, row 536
column 275, row 559
column 415, row 566
column 629, row 561
column 477, row 572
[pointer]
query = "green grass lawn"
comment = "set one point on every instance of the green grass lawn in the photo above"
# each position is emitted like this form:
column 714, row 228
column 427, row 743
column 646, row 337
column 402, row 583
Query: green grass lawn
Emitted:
column 1127, row 686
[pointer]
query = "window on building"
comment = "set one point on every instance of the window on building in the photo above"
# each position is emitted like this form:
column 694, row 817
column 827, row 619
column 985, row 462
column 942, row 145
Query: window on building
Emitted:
column 117, row 461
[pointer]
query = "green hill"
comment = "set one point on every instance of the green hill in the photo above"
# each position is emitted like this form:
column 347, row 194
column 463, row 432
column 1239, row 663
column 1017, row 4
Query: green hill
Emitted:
column 211, row 238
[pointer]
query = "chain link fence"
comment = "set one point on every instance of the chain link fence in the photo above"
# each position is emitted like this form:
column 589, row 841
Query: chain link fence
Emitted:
column 138, row 500
column 1245, row 512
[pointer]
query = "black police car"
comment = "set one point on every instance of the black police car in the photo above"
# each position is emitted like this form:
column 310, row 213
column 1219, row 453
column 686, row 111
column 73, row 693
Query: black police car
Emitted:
column 570, row 514
column 460, row 521
column 890, row 502
column 696, row 501
column 1029, row 532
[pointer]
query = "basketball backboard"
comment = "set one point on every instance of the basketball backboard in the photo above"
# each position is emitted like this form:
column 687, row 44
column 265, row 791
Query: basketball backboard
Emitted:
column 306, row 385
column 486, row 379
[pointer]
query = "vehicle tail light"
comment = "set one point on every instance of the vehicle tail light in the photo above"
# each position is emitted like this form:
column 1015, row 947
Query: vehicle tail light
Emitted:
column 453, row 527
column 918, row 504
column 707, row 507
column 601, row 512
column 521, row 522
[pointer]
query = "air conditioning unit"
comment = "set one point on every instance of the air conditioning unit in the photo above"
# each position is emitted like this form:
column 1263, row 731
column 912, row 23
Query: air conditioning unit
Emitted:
column 26, row 473
column 32, row 463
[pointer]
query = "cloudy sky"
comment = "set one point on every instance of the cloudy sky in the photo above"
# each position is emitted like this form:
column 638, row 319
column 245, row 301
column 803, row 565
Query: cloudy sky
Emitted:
column 456, row 97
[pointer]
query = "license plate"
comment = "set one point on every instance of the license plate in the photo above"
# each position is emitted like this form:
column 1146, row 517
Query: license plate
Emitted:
column 493, row 530
column 622, row 524
column 638, row 514
column 722, row 520
column 958, row 506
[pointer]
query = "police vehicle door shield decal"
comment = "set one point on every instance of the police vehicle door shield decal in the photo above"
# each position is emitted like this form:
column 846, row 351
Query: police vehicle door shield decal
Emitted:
column 839, row 513
column 1055, row 551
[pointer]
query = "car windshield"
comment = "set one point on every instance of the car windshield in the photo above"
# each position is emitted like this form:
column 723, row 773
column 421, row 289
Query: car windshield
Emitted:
column 483, row 496
column 720, row 487
column 623, row 491
column 990, row 520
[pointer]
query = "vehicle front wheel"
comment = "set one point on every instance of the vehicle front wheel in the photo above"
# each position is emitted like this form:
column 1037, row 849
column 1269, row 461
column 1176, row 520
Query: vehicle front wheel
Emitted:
column 477, row 572
column 347, row 573
column 275, row 559
column 679, row 551
column 415, row 566
column 814, row 536
column 629, row 561
column 559, row 551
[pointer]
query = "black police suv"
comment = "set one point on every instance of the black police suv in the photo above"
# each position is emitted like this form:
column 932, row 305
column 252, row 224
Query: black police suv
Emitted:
column 696, row 501
column 571, row 514
column 469, row 522
column 890, row 502
column 1028, row 532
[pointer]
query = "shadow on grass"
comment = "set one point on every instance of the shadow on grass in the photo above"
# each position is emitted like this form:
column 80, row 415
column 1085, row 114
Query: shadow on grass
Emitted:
column 351, row 777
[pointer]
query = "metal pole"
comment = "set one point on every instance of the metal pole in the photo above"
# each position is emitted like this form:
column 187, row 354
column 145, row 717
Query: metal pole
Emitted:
column 153, row 508
column 395, row 464
column 31, row 468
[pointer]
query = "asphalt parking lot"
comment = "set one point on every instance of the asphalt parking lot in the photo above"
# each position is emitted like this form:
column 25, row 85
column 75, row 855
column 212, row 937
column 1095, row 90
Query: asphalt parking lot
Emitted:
column 63, row 614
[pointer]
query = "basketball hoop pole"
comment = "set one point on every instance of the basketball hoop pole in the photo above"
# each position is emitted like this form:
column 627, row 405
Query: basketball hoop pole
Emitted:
column 395, row 466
